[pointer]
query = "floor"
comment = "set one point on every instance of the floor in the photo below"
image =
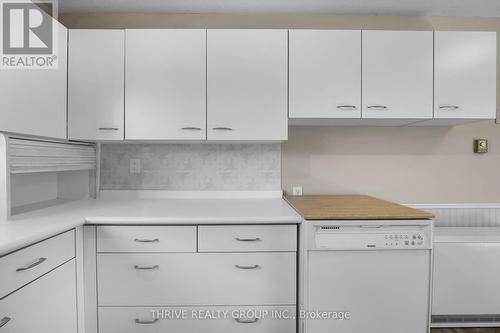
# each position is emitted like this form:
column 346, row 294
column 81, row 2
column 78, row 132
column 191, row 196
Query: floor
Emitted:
column 466, row 330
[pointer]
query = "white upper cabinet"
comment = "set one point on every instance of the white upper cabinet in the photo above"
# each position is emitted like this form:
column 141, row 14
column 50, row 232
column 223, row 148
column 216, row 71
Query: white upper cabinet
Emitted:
column 33, row 101
column 247, row 84
column 325, row 73
column 165, row 85
column 96, row 84
column 397, row 74
column 465, row 75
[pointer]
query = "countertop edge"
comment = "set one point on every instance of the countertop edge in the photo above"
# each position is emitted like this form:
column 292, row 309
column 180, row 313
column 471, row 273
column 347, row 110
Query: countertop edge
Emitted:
column 30, row 239
column 189, row 221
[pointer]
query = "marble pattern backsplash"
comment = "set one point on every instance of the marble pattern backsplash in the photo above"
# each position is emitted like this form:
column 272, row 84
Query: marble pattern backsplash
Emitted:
column 191, row 167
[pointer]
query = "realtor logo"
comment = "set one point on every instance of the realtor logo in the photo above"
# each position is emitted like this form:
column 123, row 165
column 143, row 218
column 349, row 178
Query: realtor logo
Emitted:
column 28, row 35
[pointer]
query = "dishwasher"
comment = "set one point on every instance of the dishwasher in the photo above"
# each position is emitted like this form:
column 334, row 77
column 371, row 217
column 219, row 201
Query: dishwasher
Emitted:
column 366, row 276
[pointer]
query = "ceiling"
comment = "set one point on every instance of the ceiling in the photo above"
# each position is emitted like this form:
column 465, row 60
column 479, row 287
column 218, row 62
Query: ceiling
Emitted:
column 484, row 8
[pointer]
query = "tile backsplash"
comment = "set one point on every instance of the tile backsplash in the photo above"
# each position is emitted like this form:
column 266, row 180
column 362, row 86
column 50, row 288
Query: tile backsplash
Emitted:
column 191, row 167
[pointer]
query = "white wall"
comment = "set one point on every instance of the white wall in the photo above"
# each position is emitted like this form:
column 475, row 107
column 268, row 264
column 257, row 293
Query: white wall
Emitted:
column 405, row 164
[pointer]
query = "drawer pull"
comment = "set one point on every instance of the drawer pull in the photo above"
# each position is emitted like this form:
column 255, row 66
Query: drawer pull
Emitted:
column 449, row 107
column 108, row 128
column 36, row 263
column 246, row 321
column 347, row 107
column 378, row 107
column 256, row 239
column 156, row 240
column 4, row 321
column 145, row 322
column 146, row 267
column 247, row 267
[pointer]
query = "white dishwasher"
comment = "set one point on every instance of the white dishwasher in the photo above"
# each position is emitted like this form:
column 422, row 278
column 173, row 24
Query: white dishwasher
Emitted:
column 366, row 276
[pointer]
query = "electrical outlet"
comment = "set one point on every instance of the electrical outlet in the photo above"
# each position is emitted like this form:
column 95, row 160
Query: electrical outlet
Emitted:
column 297, row 190
column 135, row 165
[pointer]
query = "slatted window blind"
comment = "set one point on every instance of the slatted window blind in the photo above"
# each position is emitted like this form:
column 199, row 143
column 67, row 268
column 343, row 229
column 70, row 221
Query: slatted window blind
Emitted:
column 27, row 156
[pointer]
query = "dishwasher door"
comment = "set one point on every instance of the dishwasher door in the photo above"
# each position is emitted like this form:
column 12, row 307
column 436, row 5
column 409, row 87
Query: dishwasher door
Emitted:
column 385, row 291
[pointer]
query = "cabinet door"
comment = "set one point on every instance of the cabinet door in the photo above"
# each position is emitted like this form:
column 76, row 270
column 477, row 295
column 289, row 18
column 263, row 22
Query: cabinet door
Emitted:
column 23, row 266
column 33, row 101
column 171, row 238
column 397, row 74
column 465, row 75
column 165, row 85
column 247, row 238
column 46, row 305
column 325, row 73
column 240, row 319
column 96, row 84
column 247, row 84
column 143, row 279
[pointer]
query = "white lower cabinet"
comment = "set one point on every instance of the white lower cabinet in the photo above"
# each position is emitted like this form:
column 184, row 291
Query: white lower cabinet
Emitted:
column 46, row 305
column 196, row 279
column 146, row 239
column 194, row 319
column 255, row 238
column 242, row 288
column 21, row 267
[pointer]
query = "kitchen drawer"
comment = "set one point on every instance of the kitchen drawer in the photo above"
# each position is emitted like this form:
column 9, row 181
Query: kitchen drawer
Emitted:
column 23, row 266
column 196, row 279
column 123, row 320
column 47, row 305
column 241, row 238
column 146, row 239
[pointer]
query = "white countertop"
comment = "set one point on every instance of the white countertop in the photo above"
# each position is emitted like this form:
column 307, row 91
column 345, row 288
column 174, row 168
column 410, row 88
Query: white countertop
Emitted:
column 28, row 228
column 466, row 234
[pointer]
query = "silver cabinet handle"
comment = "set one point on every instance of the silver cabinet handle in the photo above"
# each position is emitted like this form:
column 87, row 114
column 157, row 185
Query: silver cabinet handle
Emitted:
column 378, row 107
column 145, row 322
column 347, row 107
column 36, row 263
column 4, row 321
column 256, row 239
column 449, row 107
column 247, row 267
column 108, row 128
column 246, row 321
column 222, row 128
column 191, row 128
column 155, row 240
column 146, row 267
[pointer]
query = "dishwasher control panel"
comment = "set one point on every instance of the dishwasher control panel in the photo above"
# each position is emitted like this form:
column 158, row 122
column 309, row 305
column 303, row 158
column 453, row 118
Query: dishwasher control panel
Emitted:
column 404, row 240
column 382, row 238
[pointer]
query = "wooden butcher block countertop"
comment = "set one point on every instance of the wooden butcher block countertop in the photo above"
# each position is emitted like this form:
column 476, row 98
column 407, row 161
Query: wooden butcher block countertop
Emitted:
column 353, row 207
